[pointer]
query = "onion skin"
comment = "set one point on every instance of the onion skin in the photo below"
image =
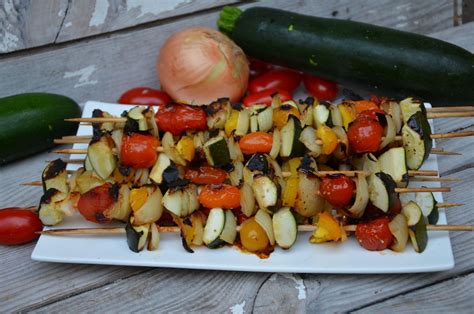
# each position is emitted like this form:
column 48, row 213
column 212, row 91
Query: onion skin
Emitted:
column 199, row 65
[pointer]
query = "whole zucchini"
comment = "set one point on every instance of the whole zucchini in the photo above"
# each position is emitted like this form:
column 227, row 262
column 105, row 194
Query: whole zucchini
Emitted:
column 30, row 122
column 386, row 61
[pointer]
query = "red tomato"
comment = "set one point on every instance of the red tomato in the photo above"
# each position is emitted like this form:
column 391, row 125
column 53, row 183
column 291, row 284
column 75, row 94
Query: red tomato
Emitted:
column 322, row 89
column 370, row 114
column 256, row 142
column 365, row 135
column 220, row 195
column 139, row 150
column 284, row 79
column 178, row 118
column 18, row 226
column 206, row 175
column 144, row 96
column 93, row 203
column 258, row 67
column 374, row 235
column 265, row 97
column 337, row 190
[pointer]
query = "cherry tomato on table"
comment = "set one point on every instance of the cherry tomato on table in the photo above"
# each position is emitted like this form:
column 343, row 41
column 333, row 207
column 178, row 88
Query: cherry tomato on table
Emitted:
column 365, row 135
column 18, row 226
column 258, row 67
column 256, row 142
column 139, row 150
column 265, row 97
column 283, row 79
column 220, row 195
column 374, row 235
column 144, row 96
column 177, row 118
column 337, row 190
column 95, row 202
column 206, row 175
column 322, row 89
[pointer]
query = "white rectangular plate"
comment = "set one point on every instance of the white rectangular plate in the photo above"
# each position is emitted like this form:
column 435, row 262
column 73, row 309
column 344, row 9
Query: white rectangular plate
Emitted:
column 303, row 257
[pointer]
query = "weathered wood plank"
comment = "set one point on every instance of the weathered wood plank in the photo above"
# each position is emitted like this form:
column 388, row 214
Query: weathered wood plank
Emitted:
column 102, row 68
column 91, row 17
column 31, row 25
column 25, row 23
column 166, row 290
column 432, row 299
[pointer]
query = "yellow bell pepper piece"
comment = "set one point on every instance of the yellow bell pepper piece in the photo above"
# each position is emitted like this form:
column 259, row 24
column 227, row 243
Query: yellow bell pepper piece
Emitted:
column 231, row 123
column 329, row 138
column 185, row 148
column 138, row 197
column 328, row 229
column 294, row 164
column 347, row 113
column 280, row 115
column 290, row 192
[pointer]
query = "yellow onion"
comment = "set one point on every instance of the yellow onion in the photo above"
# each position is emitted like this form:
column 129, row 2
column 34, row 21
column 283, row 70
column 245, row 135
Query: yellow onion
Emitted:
column 199, row 65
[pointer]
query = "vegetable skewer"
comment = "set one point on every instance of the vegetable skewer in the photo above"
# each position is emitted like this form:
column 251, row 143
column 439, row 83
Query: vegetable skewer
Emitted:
column 301, row 228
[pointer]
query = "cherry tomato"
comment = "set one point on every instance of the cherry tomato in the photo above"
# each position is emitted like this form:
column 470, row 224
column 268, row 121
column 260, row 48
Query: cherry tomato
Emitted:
column 139, row 150
column 322, row 89
column 93, row 203
column 284, row 79
column 364, row 105
column 258, row 67
column 337, row 190
column 256, row 142
column 178, row 118
column 370, row 114
column 18, row 226
column 374, row 235
column 220, row 195
column 206, row 175
column 265, row 97
column 365, row 135
column 253, row 237
column 144, row 96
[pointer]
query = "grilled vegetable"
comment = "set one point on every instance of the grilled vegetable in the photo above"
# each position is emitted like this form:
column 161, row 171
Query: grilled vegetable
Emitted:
column 266, row 192
column 409, row 106
column 412, row 212
column 419, row 235
column 101, row 157
column 290, row 139
column 214, row 225
column 386, row 60
column 265, row 221
column 217, row 152
column 337, row 190
column 382, row 191
column 399, row 228
column 136, row 236
column 30, row 122
column 393, row 162
column 181, row 201
column 160, row 166
column 151, row 210
column 374, row 235
column 220, row 195
column 327, row 229
column 55, row 176
column 285, row 228
column 427, row 204
column 253, row 237
column 417, row 142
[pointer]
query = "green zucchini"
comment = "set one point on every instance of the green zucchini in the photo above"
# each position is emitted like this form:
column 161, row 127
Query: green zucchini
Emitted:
column 290, row 139
column 387, row 61
column 409, row 106
column 136, row 236
column 217, row 152
column 416, row 138
column 419, row 235
column 30, row 122
column 393, row 163
column 382, row 191
column 427, row 203
column 285, row 228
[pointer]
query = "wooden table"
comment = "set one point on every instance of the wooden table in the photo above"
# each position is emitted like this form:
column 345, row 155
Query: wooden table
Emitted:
column 61, row 56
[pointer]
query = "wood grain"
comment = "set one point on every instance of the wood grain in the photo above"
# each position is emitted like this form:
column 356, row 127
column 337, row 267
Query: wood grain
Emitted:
column 432, row 299
column 31, row 24
column 25, row 23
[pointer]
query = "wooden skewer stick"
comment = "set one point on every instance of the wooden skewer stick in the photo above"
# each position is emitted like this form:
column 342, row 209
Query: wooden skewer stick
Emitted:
column 301, row 228
column 437, row 115
column 414, row 190
column 451, row 109
column 446, row 205
column 453, row 134
column 422, row 179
